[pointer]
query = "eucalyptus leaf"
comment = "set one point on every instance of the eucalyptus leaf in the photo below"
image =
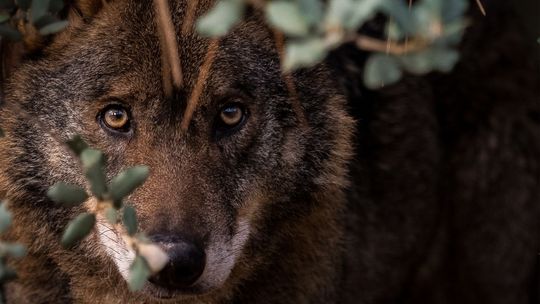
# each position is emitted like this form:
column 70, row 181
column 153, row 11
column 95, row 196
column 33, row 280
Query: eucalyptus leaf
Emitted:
column 305, row 53
column 8, row 32
column 138, row 273
column 401, row 14
column 78, row 229
column 15, row 250
column 363, row 10
column 53, row 28
column 221, row 18
column 77, row 144
column 94, row 162
column 38, row 10
column 129, row 217
column 5, row 218
column 312, row 10
column 111, row 214
column 69, row 195
column 126, row 182
column 287, row 17
column 453, row 10
column 381, row 70
column 338, row 11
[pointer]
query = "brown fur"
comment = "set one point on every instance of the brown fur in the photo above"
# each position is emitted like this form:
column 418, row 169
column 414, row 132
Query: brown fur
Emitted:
column 440, row 206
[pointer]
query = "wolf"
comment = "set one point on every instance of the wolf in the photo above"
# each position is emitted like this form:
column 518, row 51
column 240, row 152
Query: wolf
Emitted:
column 426, row 191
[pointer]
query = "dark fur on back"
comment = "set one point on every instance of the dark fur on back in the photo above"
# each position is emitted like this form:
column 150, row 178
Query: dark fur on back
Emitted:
column 441, row 202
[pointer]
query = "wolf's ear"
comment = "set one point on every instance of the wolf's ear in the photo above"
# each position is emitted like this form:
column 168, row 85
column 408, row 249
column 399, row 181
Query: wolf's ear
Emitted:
column 77, row 12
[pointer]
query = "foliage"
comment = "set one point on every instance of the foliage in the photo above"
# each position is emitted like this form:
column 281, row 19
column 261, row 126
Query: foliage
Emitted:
column 108, row 204
column 419, row 39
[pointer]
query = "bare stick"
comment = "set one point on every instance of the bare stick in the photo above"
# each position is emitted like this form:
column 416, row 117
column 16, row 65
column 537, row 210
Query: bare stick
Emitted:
column 481, row 7
column 199, row 85
column 190, row 16
column 390, row 47
column 169, row 45
column 289, row 81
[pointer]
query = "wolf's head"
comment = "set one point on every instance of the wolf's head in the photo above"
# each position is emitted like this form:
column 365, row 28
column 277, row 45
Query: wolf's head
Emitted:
column 222, row 195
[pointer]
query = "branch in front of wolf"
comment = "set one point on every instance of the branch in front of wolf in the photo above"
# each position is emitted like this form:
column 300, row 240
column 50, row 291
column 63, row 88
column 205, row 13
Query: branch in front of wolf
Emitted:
column 106, row 202
column 23, row 19
column 419, row 39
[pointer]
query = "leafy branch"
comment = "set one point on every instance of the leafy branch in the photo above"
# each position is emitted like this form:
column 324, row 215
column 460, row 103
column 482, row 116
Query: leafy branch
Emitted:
column 107, row 202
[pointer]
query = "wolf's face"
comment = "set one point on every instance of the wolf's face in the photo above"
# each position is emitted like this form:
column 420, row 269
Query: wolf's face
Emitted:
column 220, row 194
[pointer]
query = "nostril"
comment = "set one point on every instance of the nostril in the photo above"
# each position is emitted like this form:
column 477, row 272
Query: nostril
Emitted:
column 186, row 265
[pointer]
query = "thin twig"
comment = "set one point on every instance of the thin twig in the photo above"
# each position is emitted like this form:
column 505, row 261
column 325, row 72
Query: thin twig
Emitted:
column 390, row 47
column 169, row 47
column 189, row 19
column 481, row 7
column 199, row 85
column 289, row 80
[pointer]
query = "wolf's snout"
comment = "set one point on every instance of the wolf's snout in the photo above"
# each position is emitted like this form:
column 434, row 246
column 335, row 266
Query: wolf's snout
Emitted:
column 186, row 264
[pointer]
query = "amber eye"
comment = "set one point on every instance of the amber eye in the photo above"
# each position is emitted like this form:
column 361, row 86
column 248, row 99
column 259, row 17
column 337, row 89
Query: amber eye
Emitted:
column 230, row 118
column 116, row 118
column 232, row 115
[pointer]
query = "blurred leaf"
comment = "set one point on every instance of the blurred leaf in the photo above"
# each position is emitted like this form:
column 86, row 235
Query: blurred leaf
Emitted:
column 15, row 250
column 56, row 5
column 221, row 18
column 69, row 195
column 381, row 70
column 312, row 10
column 126, row 182
column 5, row 218
column 94, row 162
column 23, row 4
column 53, row 28
column 77, row 144
column 154, row 256
column 111, row 214
column 139, row 273
column 286, row 16
column 78, row 229
column 4, row 18
column 44, row 21
column 362, row 11
column 338, row 11
column 10, row 33
column 306, row 53
column 129, row 218
column 453, row 10
column 38, row 10
column 434, row 59
column 400, row 13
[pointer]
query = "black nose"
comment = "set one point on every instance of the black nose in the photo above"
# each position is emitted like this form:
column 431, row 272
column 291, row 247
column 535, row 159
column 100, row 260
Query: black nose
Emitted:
column 186, row 265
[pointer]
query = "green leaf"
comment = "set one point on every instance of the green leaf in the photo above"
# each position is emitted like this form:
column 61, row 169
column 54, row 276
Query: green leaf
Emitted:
column 78, row 229
column 94, row 162
column 338, row 12
column 23, row 4
column 38, row 10
column 312, row 10
column 381, row 70
column 53, row 28
column 362, row 12
column 111, row 214
column 15, row 250
column 69, row 195
column 4, row 18
column 126, row 182
column 400, row 13
column 221, row 18
column 303, row 54
column 56, row 5
column 5, row 218
column 454, row 10
column 10, row 33
column 139, row 273
column 434, row 59
column 286, row 16
column 129, row 218
column 77, row 144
